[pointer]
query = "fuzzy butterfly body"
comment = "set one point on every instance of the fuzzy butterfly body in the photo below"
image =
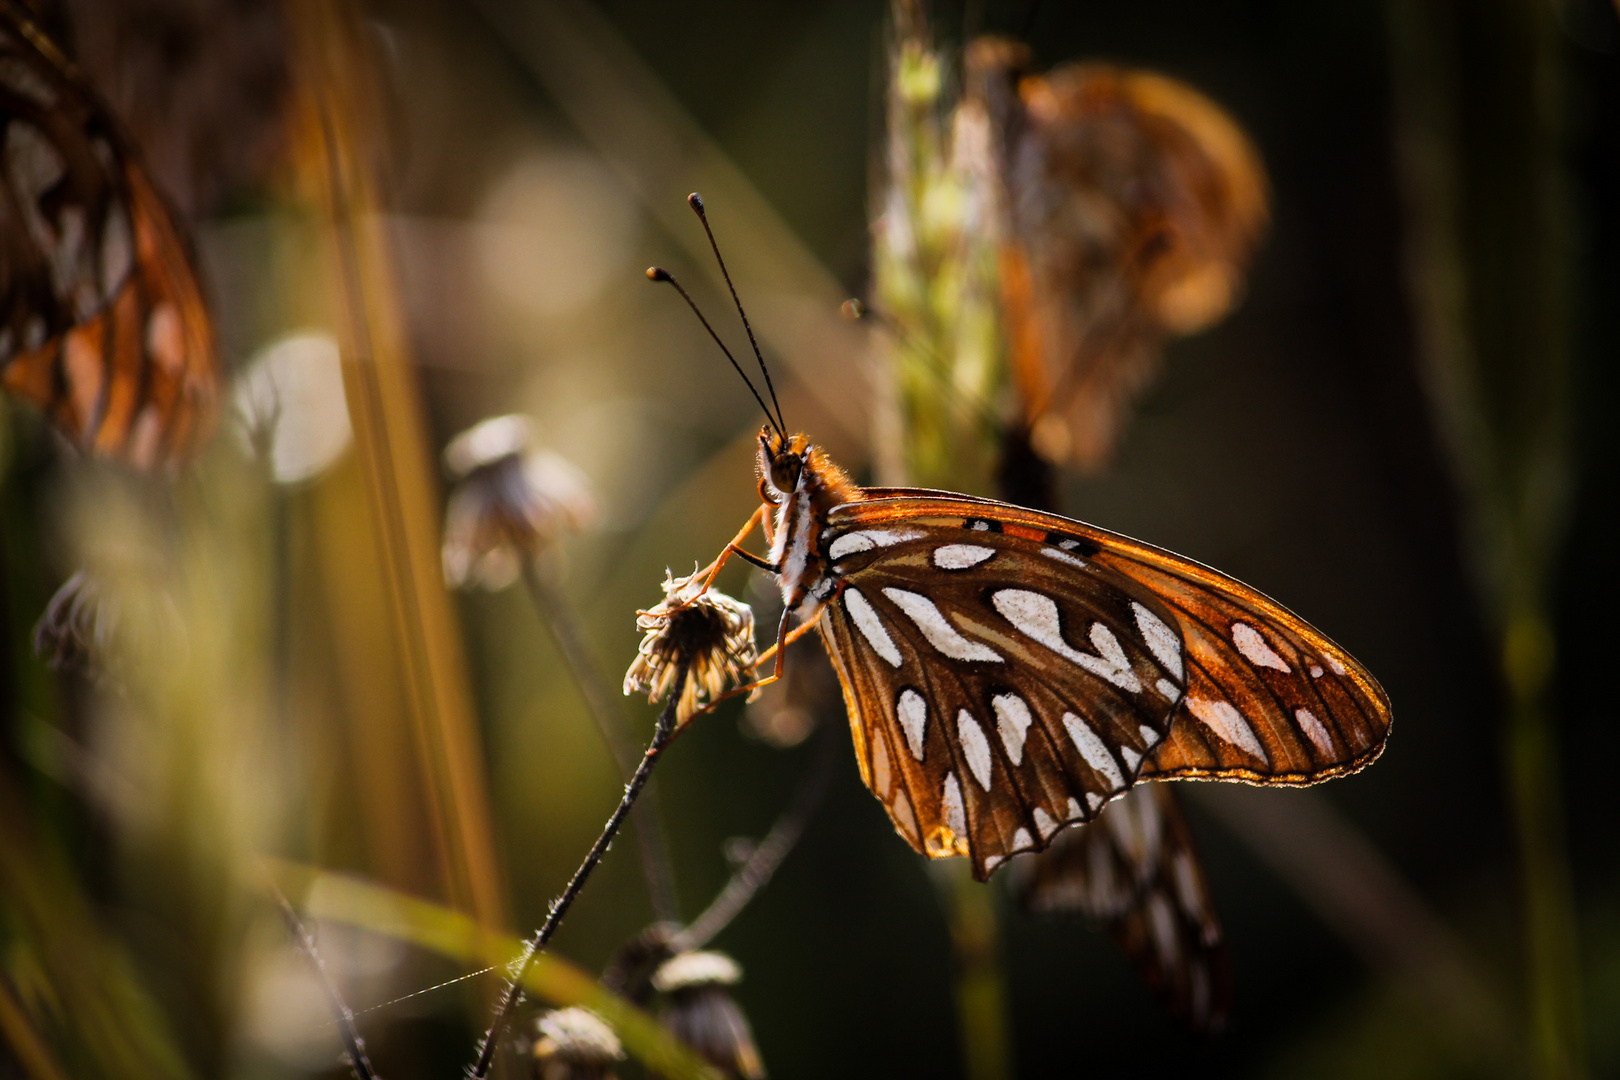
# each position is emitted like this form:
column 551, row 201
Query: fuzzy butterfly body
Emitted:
column 102, row 322
column 1008, row 672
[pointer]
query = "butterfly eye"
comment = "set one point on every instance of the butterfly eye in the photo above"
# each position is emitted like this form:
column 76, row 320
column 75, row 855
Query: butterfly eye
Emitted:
column 785, row 471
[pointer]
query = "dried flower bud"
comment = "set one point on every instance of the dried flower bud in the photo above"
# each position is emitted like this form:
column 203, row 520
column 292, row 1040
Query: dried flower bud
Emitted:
column 510, row 501
column 575, row 1044
column 103, row 626
column 710, row 635
column 701, row 1012
column 77, row 628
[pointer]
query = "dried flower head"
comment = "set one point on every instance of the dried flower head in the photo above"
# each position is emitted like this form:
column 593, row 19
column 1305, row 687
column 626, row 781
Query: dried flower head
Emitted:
column 510, row 501
column 700, row 1011
column 575, row 1044
column 706, row 633
column 76, row 631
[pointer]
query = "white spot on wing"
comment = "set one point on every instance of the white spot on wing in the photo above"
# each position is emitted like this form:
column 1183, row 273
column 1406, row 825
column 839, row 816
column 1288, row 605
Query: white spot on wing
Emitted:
column 880, row 766
column 940, row 633
column 852, row 543
column 1162, row 919
column 1044, row 823
column 1068, row 545
column 975, row 747
column 1037, row 616
column 960, row 556
column 992, row 862
column 913, row 713
column 870, row 626
column 1132, row 758
column 1171, row 692
column 1313, row 728
column 1012, row 722
column 901, row 809
column 1092, row 749
column 1075, row 813
column 1316, row 671
column 1022, row 841
column 955, row 816
column 1225, row 721
column 1149, row 736
column 1063, row 557
column 1338, row 668
column 1161, row 640
column 1255, row 650
column 1094, row 799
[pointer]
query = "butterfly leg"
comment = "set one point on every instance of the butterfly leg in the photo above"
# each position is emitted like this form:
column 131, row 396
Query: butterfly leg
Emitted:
column 734, row 547
column 778, row 651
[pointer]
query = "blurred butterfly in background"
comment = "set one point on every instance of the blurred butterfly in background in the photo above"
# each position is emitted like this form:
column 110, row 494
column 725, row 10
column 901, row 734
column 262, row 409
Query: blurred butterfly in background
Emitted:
column 1134, row 872
column 1008, row 672
column 102, row 321
column 1127, row 206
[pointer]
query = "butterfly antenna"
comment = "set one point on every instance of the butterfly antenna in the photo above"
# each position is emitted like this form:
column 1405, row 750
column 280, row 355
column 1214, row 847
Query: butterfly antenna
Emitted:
column 658, row 273
column 695, row 201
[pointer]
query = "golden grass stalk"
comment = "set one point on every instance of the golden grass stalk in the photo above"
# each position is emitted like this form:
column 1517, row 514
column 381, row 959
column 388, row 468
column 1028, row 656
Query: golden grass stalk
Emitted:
column 335, row 157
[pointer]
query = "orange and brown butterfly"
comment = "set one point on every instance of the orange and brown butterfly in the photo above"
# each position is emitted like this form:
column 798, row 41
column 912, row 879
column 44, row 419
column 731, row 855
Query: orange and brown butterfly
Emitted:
column 102, row 321
column 1008, row 671
column 1128, row 207
column 1135, row 872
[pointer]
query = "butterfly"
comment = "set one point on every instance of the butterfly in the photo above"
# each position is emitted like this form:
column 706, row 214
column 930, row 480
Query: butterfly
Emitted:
column 102, row 320
column 1008, row 672
column 1128, row 205
column 1134, row 871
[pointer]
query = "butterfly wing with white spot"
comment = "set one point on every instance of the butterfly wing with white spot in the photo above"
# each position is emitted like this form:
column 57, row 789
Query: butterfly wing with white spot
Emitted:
column 102, row 320
column 998, row 685
column 1269, row 699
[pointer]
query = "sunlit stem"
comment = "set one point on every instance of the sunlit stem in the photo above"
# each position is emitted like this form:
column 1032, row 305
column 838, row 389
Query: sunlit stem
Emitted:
column 604, row 707
column 354, row 1046
column 662, row 734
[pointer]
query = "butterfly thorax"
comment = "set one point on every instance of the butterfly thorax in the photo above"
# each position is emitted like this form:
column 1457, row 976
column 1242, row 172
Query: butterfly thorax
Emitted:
column 805, row 486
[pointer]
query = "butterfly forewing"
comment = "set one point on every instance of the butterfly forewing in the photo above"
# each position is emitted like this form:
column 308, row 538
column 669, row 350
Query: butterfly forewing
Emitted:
column 1003, row 685
column 1134, row 871
column 104, row 325
column 965, row 623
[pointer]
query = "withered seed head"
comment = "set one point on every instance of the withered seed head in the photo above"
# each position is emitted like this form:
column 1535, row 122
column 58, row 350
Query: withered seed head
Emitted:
column 575, row 1044
column 708, row 634
column 510, row 501
column 700, row 1011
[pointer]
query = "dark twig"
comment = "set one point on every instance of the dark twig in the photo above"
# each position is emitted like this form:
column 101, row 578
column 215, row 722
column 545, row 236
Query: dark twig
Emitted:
column 605, row 709
column 768, row 855
column 559, row 907
column 354, row 1045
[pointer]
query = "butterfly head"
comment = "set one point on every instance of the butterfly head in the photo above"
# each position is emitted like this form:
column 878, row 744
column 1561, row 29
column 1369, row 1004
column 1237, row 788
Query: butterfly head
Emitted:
column 782, row 460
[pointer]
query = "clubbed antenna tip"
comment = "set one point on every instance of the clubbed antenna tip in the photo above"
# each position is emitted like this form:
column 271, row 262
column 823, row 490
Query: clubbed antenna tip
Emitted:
column 658, row 273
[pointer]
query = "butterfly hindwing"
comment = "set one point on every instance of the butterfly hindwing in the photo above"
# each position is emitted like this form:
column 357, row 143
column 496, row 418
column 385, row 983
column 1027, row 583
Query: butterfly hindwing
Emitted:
column 935, row 585
column 1000, row 685
column 1135, row 872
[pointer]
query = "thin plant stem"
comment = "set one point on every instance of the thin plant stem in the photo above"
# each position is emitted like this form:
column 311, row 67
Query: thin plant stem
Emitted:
column 359, row 1064
column 662, row 734
column 603, row 704
column 762, row 863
